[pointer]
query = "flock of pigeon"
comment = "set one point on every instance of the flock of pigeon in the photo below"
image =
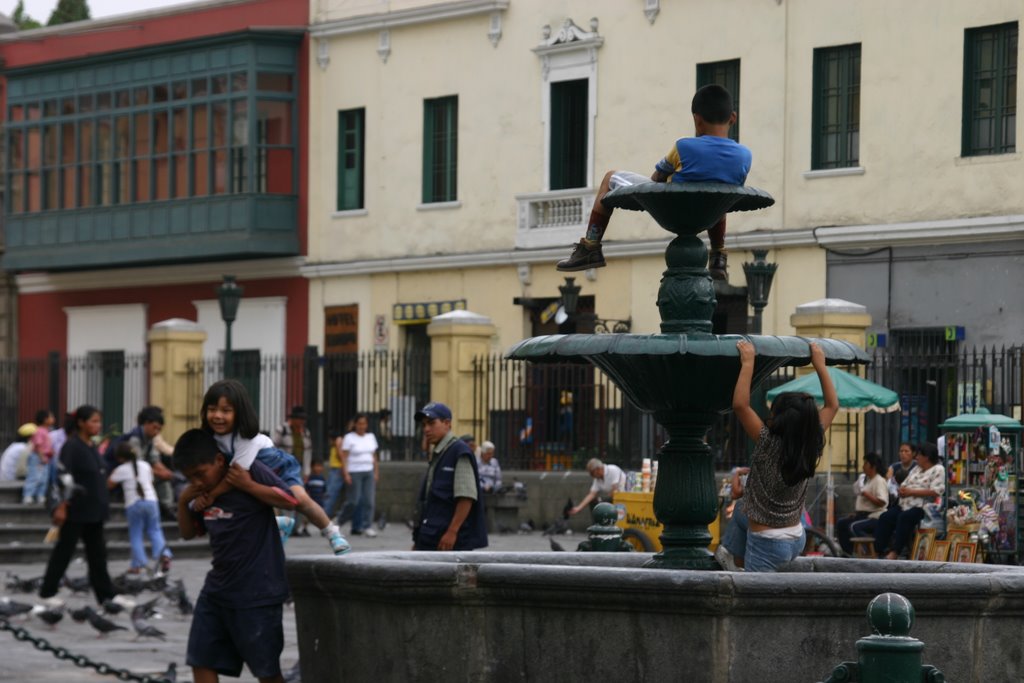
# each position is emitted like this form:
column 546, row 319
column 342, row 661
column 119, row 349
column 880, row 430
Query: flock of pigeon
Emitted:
column 128, row 601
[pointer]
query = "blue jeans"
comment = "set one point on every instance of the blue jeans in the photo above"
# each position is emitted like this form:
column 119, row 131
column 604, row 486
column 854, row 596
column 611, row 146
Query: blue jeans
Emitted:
column 360, row 500
column 766, row 554
column 35, row 477
column 335, row 485
column 759, row 554
column 735, row 537
column 144, row 517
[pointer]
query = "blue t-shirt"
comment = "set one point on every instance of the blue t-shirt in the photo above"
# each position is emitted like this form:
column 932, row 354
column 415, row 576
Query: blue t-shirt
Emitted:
column 248, row 558
column 707, row 158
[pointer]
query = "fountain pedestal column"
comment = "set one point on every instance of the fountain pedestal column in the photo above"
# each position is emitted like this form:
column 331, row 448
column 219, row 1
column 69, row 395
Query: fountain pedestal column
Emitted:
column 685, row 498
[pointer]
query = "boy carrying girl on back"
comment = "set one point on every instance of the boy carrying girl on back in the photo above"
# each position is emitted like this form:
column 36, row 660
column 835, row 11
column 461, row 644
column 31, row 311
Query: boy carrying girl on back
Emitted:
column 238, row 614
column 709, row 157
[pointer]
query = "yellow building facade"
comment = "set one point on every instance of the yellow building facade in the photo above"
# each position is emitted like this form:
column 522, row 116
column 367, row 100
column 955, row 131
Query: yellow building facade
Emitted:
column 456, row 147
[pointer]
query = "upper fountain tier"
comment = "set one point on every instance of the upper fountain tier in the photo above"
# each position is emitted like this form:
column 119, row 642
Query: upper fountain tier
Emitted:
column 686, row 368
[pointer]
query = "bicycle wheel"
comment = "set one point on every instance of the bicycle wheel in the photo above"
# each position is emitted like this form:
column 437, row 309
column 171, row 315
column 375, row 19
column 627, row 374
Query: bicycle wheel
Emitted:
column 820, row 544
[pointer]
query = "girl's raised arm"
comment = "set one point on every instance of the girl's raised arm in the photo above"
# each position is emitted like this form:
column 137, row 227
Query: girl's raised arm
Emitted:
column 741, row 394
column 828, row 390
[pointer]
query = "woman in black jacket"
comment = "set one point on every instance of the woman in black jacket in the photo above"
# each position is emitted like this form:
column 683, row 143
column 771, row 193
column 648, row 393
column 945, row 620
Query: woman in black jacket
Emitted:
column 85, row 506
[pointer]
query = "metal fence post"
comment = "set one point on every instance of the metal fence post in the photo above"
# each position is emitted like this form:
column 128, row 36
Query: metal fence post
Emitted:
column 889, row 655
column 53, row 386
column 311, row 398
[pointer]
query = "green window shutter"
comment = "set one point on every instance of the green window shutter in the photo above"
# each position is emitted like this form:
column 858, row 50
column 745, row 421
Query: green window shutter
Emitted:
column 990, row 90
column 351, row 163
column 570, row 110
column 727, row 75
column 440, row 149
column 835, row 141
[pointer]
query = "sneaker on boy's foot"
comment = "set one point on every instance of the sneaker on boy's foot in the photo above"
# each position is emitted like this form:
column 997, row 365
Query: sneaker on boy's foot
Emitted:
column 583, row 257
column 725, row 558
column 719, row 265
column 338, row 543
column 368, row 531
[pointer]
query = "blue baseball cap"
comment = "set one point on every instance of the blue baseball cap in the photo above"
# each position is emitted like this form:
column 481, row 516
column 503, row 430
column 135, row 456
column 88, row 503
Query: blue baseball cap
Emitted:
column 433, row 411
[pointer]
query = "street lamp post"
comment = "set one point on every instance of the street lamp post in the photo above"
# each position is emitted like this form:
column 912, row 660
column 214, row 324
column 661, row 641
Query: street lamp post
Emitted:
column 759, row 283
column 570, row 296
column 229, row 295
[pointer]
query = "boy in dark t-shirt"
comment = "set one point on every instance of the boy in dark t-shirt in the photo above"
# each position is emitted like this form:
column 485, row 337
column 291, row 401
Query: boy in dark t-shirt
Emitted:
column 238, row 614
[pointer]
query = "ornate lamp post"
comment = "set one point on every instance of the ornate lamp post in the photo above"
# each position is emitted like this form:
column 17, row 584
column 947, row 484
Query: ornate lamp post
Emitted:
column 570, row 296
column 759, row 283
column 229, row 295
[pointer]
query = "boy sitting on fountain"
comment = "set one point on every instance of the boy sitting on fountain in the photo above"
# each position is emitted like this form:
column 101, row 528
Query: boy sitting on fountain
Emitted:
column 710, row 156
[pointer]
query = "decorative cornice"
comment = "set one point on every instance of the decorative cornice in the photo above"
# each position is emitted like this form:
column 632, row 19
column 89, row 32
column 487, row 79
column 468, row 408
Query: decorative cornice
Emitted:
column 257, row 269
column 380, row 21
column 864, row 236
column 985, row 228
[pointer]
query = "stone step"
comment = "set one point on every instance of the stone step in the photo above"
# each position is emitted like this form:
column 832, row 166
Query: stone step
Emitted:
column 31, row 533
column 10, row 491
column 16, row 513
column 39, row 553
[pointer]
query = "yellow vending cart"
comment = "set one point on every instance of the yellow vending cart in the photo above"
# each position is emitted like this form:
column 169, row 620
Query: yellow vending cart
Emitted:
column 639, row 525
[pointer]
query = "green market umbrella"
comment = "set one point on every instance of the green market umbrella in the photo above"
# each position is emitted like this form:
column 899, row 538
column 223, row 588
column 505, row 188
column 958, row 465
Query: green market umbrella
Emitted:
column 981, row 418
column 856, row 395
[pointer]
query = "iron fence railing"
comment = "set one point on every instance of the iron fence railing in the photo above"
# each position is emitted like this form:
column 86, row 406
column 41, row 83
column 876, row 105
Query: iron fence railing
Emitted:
column 388, row 386
column 539, row 416
column 557, row 416
column 115, row 382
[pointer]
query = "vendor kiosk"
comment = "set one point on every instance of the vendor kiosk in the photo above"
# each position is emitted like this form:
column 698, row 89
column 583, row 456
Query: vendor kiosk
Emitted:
column 983, row 461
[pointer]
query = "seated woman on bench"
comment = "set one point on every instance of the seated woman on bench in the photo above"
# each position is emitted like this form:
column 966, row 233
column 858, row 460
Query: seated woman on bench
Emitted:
column 923, row 485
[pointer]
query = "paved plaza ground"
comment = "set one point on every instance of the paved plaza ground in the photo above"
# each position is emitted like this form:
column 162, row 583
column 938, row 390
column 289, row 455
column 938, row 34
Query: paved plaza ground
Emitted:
column 22, row 663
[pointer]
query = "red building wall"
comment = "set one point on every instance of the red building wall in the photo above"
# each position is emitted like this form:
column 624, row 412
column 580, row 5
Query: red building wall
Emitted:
column 43, row 325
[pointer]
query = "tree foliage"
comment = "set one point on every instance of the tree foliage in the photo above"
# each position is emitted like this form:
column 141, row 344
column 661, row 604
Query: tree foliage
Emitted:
column 22, row 20
column 69, row 10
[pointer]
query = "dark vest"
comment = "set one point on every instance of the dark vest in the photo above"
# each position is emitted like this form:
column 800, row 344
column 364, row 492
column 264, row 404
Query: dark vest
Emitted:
column 438, row 503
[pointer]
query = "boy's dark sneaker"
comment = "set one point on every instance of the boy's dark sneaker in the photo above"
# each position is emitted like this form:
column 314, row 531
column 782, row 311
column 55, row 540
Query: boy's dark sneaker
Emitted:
column 583, row 257
column 719, row 265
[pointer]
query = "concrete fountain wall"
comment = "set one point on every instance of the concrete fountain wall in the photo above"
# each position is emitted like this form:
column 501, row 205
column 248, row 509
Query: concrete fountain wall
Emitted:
column 595, row 616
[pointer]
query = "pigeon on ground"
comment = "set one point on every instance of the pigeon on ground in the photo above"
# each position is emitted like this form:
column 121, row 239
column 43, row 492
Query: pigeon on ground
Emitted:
column 79, row 584
column 102, row 624
column 19, row 585
column 147, row 609
column 81, row 615
column 111, row 607
column 11, row 608
column 49, row 615
column 157, row 583
column 171, row 675
column 143, row 629
column 556, row 546
column 128, row 584
column 177, row 595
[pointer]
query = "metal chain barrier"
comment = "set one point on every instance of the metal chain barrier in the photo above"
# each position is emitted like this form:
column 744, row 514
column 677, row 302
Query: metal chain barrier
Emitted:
column 80, row 661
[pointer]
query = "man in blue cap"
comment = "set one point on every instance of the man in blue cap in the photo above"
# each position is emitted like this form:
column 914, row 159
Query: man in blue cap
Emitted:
column 451, row 516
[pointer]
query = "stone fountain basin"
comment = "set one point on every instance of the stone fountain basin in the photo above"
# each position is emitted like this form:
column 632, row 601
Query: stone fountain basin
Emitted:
column 679, row 372
column 481, row 616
